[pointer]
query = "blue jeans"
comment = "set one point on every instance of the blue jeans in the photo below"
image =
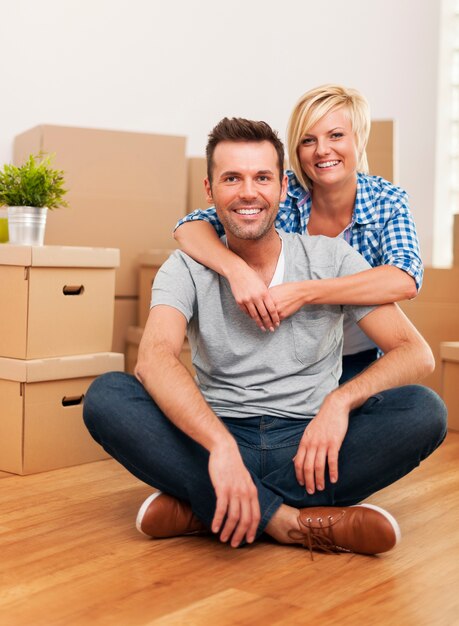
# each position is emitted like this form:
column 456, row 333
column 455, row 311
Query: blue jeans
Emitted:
column 387, row 437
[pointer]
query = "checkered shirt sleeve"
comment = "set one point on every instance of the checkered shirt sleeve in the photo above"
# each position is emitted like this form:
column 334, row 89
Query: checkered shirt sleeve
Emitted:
column 400, row 247
column 391, row 238
column 207, row 215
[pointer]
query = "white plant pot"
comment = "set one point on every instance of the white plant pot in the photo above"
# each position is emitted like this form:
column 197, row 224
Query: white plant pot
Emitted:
column 26, row 225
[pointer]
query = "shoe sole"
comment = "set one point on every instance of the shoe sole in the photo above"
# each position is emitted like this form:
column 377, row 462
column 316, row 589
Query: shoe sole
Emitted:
column 142, row 511
column 393, row 522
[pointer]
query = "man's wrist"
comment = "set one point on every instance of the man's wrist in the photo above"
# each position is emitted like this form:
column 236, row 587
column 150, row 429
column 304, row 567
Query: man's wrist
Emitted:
column 221, row 442
column 341, row 397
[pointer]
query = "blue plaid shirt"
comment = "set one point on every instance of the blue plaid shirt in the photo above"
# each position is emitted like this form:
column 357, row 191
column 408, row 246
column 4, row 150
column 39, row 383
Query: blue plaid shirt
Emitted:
column 382, row 227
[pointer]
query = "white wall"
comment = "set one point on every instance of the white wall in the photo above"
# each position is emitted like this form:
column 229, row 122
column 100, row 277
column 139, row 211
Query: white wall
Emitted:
column 178, row 67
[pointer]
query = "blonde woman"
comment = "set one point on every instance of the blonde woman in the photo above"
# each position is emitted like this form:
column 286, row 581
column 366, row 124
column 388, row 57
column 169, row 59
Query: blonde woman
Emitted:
column 329, row 193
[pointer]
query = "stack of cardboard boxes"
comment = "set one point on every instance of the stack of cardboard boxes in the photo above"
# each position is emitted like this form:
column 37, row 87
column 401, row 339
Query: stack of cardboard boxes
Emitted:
column 449, row 350
column 435, row 312
column 56, row 323
column 126, row 190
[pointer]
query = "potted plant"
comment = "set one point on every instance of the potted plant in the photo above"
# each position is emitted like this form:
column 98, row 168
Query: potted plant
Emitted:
column 28, row 191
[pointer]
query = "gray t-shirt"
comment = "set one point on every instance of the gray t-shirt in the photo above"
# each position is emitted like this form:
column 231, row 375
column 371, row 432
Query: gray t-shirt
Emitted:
column 240, row 370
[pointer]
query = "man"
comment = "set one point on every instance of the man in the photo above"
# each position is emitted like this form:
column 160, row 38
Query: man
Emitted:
column 266, row 441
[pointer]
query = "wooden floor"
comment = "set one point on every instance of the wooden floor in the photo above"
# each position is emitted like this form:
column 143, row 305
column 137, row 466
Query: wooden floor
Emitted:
column 70, row 556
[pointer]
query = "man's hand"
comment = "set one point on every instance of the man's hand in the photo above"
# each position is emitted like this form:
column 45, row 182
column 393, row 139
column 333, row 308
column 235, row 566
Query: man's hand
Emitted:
column 237, row 496
column 253, row 297
column 320, row 445
column 288, row 298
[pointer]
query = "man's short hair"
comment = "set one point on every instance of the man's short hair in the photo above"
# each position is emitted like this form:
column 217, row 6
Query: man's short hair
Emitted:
column 240, row 129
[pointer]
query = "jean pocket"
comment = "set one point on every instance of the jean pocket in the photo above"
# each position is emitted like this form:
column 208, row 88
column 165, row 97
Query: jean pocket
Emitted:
column 372, row 401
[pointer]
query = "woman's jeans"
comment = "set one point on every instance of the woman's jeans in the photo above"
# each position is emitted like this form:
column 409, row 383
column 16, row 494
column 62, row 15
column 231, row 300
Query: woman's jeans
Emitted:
column 387, row 437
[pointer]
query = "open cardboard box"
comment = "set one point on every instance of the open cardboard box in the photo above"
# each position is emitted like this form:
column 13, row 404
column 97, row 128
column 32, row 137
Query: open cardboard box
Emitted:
column 41, row 412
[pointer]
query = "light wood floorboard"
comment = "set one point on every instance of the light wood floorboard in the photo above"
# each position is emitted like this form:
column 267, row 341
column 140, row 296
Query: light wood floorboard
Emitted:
column 70, row 556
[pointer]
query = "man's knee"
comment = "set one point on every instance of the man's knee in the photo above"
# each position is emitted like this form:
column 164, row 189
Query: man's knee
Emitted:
column 416, row 413
column 104, row 391
column 433, row 414
column 421, row 416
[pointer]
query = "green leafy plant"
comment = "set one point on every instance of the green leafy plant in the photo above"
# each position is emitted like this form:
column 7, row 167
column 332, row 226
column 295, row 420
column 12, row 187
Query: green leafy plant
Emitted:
column 33, row 184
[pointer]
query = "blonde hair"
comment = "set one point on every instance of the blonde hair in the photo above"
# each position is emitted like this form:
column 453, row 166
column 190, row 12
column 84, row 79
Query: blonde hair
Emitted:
column 316, row 103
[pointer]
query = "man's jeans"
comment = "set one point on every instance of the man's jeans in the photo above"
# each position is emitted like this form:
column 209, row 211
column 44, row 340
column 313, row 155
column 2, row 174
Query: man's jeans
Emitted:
column 387, row 437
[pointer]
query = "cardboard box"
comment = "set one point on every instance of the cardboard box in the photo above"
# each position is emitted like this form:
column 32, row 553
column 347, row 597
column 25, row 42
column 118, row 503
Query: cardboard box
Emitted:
column 56, row 300
column 125, row 316
column 197, row 173
column 439, row 285
column 435, row 313
column 381, row 151
column 126, row 190
column 449, row 352
column 134, row 335
column 41, row 423
column 149, row 264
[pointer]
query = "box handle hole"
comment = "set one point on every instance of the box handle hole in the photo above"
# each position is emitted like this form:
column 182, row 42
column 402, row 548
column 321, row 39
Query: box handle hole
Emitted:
column 73, row 290
column 72, row 400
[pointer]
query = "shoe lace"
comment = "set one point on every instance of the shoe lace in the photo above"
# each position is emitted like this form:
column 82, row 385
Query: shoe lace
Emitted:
column 318, row 537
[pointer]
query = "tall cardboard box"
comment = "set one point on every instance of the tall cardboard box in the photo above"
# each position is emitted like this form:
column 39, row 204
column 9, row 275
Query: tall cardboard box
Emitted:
column 56, row 300
column 381, row 151
column 196, row 195
column 435, row 313
column 41, row 413
column 149, row 264
column 126, row 190
column 449, row 352
column 126, row 311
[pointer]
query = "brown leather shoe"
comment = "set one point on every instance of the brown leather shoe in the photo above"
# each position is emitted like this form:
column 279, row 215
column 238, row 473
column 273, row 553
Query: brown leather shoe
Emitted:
column 364, row 528
column 161, row 516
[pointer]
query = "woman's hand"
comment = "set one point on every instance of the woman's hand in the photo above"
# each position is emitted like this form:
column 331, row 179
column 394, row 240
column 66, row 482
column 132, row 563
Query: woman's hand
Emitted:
column 253, row 297
column 288, row 298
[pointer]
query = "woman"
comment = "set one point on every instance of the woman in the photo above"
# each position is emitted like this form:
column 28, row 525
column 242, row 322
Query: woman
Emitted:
column 329, row 193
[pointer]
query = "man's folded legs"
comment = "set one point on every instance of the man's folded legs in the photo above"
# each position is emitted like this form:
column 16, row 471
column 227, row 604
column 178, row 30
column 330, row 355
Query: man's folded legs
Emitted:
column 410, row 421
column 362, row 529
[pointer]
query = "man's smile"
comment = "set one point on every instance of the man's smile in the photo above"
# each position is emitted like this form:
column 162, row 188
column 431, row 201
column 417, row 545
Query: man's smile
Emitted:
column 252, row 211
